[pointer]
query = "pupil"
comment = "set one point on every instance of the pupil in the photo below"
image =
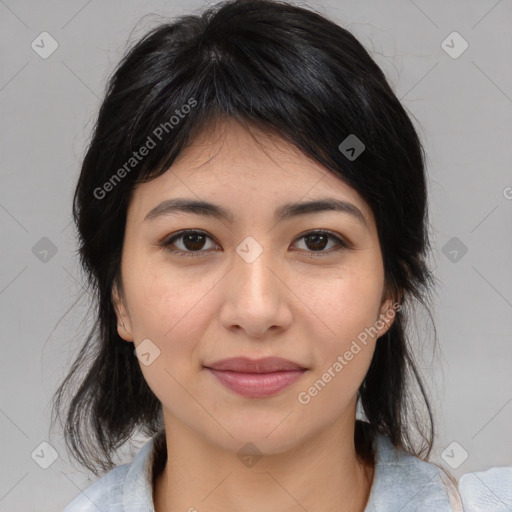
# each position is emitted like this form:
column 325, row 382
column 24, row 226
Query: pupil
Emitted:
column 194, row 245
column 315, row 245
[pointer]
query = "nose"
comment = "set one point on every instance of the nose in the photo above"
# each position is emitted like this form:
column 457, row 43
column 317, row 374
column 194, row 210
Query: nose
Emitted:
column 256, row 296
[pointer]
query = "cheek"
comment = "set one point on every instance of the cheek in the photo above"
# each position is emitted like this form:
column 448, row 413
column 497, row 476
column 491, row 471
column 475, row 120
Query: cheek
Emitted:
column 343, row 304
column 343, row 324
column 173, row 312
column 166, row 304
column 342, row 353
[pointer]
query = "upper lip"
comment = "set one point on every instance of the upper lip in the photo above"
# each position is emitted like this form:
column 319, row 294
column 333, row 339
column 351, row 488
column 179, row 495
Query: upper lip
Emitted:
column 247, row 365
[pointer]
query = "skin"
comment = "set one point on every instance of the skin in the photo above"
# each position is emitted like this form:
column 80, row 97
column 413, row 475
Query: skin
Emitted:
column 198, row 310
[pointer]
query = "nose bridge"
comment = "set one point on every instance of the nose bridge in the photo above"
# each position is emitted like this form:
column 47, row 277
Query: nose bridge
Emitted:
column 255, row 298
column 252, row 262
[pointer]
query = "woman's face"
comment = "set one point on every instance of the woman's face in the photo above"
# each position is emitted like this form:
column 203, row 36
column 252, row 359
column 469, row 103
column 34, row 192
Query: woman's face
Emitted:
column 256, row 284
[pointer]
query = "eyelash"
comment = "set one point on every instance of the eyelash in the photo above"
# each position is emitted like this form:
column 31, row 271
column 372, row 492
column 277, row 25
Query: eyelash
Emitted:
column 167, row 243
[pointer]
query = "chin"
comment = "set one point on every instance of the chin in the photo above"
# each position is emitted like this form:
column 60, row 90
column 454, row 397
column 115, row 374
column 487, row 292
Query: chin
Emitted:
column 266, row 431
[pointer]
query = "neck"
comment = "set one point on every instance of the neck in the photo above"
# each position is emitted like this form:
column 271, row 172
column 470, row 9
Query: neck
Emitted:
column 322, row 474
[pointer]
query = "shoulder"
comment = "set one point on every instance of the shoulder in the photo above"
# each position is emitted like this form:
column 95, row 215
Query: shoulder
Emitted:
column 489, row 491
column 105, row 494
column 126, row 488
column 405, row 482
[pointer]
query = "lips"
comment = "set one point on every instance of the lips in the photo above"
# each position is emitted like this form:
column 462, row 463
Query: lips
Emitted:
column 256, row 378
column 247, row 365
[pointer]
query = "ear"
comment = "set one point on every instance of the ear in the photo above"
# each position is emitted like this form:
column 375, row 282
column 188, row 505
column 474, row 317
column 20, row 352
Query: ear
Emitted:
column 124, row 325
column 387, row 315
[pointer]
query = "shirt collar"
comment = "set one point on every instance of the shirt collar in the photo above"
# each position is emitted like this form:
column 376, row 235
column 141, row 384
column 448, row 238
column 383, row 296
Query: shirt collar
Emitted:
column 138, row 484
column 401, row 482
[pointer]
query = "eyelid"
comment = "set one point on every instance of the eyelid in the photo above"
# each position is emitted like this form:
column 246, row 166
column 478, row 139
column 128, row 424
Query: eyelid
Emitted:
column 342, row 242
column 166, row 243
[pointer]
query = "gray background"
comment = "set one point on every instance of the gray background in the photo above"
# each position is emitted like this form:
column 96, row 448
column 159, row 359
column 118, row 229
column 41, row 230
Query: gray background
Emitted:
column 463, row 108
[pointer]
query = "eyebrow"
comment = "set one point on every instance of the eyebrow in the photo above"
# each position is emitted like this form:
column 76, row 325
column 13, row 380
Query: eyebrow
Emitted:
column 284, row 212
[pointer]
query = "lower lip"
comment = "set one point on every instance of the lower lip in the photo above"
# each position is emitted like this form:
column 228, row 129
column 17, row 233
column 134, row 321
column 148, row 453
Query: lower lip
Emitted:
column 257, row 385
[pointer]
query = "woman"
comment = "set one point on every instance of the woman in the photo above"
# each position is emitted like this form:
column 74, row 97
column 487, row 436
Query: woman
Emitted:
column 252, row 213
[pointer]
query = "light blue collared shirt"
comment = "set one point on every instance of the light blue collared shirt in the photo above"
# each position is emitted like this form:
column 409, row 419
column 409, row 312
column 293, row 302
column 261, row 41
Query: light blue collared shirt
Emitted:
column 401, row 482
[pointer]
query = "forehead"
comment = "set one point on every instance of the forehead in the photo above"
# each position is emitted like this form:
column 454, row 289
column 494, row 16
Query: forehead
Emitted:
column 230, row 165
column 227, row 147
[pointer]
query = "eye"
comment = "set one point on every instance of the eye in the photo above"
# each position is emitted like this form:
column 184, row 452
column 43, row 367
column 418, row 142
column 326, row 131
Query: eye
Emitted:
column 317, row 241
column 193, row 241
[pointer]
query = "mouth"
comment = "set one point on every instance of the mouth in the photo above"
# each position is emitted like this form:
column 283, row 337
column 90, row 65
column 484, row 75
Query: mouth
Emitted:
column 256, row 378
